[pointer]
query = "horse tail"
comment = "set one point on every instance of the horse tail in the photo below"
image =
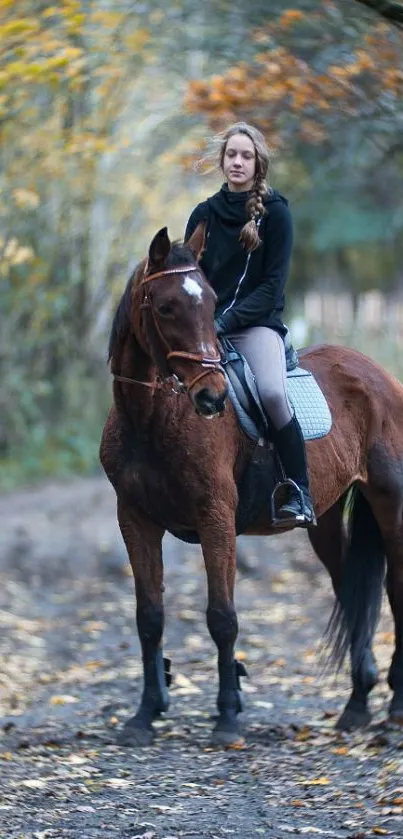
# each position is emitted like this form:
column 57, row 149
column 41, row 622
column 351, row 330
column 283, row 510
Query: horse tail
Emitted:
column 356, row 611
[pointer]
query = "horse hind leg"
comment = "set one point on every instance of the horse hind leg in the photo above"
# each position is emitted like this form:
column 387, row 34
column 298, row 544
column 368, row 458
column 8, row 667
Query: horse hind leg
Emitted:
column 390, row 520
column 386, row 496
column 143, row 541
column 337, row 553
column 394, row 586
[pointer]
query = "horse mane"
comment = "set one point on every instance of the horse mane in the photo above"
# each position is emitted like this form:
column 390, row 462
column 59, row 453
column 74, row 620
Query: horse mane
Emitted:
column 180, row 254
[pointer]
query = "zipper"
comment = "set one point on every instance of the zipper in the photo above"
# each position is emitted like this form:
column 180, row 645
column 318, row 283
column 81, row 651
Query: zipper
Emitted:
column 241, row 279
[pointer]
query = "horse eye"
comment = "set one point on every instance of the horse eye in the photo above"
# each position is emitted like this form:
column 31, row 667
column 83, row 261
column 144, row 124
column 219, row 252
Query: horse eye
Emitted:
column 165, row 309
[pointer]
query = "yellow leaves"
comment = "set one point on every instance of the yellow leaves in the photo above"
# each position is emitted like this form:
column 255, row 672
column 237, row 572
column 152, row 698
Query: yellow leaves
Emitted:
column 380, row 831
column 86, row 144
column 365, row 60
column 63, row 700
column 393, row 80
column 278, row 85
column 16, row 254
column 51, row 11
column 305, row 733
column 323, row 781
column 339, row 72
column 93, row 664
column 237, row 746
column 109, row 20
column 290, row 17
column 340, row 750
column 4, row 78
column 76, row 21
column 18, row 27
column 238, row 73
column 241, row 655
column 72, row 52
column 137, row 40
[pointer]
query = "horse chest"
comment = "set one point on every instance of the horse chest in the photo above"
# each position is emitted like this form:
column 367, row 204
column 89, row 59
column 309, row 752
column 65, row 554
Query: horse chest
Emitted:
column 158, row 482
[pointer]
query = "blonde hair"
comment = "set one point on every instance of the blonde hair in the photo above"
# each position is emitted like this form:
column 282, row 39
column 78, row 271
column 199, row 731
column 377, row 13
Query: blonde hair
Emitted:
column 249, row 235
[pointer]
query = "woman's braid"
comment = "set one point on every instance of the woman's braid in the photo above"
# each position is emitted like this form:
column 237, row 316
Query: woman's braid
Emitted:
column 255, row 208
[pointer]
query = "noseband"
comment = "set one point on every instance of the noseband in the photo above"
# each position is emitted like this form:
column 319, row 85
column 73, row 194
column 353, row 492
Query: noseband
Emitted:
column 212, row 364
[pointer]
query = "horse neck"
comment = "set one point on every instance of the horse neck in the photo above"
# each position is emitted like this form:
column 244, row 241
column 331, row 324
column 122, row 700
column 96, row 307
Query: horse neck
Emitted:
column 134, row 400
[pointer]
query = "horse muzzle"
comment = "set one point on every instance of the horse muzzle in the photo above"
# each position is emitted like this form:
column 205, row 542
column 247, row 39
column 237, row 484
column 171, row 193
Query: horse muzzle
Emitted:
column 208, row 404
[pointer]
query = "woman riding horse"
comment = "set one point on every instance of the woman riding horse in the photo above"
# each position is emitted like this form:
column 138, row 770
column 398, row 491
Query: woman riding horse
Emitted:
column 174, row 471
column 246, row 260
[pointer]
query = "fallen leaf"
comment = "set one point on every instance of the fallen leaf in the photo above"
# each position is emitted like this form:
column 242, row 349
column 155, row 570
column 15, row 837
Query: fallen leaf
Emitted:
column 62, row 700
column 185, row 685
column 316, row 782
column 241, row 655
column 238, row 745
column 119, row 783
column 33, row 784
column 304, row 733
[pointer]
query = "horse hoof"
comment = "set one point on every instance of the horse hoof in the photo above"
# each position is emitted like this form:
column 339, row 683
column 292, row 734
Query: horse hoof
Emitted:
column 351, row 719
column 135, row 735
column 228, row 737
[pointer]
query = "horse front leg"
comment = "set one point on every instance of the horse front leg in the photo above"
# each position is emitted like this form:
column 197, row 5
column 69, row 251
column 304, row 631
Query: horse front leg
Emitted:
column 143, row 540
column 218, row 540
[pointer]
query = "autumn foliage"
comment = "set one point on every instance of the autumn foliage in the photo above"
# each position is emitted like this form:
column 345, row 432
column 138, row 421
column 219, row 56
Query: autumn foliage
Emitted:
column 307, row 69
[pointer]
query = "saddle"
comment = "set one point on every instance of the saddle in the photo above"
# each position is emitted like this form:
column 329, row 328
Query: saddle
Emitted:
column 257, row 487
column 304, row 393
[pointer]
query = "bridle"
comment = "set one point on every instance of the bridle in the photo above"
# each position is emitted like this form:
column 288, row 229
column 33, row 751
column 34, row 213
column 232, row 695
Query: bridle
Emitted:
column 211, row 364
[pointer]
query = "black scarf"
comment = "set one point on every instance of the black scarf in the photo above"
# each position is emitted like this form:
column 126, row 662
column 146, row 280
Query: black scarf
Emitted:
column 229, row 206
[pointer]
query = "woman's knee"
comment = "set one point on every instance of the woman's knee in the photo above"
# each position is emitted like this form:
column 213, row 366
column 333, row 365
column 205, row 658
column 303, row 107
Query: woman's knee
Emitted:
column 276, row 405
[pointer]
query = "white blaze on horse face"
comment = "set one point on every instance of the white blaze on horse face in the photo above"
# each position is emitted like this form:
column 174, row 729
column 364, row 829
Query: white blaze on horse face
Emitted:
column 193, row 288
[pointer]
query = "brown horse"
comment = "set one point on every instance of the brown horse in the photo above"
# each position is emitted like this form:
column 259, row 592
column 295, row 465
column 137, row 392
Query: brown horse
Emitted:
column 174, row 471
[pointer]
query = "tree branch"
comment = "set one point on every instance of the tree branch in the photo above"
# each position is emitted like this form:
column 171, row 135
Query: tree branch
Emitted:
column 391, row 11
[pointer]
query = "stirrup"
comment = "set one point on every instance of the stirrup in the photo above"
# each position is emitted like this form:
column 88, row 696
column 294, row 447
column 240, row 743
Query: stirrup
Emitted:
column 298, row 520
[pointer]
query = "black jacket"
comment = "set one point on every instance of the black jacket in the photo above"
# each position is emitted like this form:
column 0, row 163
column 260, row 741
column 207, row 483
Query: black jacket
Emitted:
column 250, row 289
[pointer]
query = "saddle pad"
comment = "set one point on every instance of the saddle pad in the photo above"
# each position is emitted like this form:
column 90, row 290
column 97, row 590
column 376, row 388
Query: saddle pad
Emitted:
column 309, row 403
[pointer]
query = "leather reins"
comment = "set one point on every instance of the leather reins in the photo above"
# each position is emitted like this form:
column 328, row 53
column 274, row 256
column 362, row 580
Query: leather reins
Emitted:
column 212, row 364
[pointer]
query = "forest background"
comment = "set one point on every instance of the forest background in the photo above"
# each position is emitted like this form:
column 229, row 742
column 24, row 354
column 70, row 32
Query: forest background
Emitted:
column 105, row 109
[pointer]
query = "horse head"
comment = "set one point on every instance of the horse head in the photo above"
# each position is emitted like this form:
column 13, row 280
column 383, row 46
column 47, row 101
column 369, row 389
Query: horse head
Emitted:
column 173, row 319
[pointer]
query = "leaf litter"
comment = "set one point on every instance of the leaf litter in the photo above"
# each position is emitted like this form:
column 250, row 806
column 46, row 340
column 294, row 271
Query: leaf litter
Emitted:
column 71, row 678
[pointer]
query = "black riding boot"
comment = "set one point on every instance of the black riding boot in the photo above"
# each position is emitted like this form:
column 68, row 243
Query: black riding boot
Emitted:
column 290, row 446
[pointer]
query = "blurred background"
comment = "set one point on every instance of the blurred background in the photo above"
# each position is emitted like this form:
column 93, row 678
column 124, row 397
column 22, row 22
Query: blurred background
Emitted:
column 105, row 109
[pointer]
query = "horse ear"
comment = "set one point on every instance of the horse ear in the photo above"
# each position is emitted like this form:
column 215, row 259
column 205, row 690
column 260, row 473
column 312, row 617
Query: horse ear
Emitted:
column 196, row 241
column 159, row 249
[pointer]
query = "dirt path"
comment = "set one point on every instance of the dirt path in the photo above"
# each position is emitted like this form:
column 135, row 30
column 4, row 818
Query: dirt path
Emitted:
column 71, row 678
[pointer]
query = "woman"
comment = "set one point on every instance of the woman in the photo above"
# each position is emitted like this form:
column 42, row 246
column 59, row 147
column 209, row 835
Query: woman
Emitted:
column 246, row 259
